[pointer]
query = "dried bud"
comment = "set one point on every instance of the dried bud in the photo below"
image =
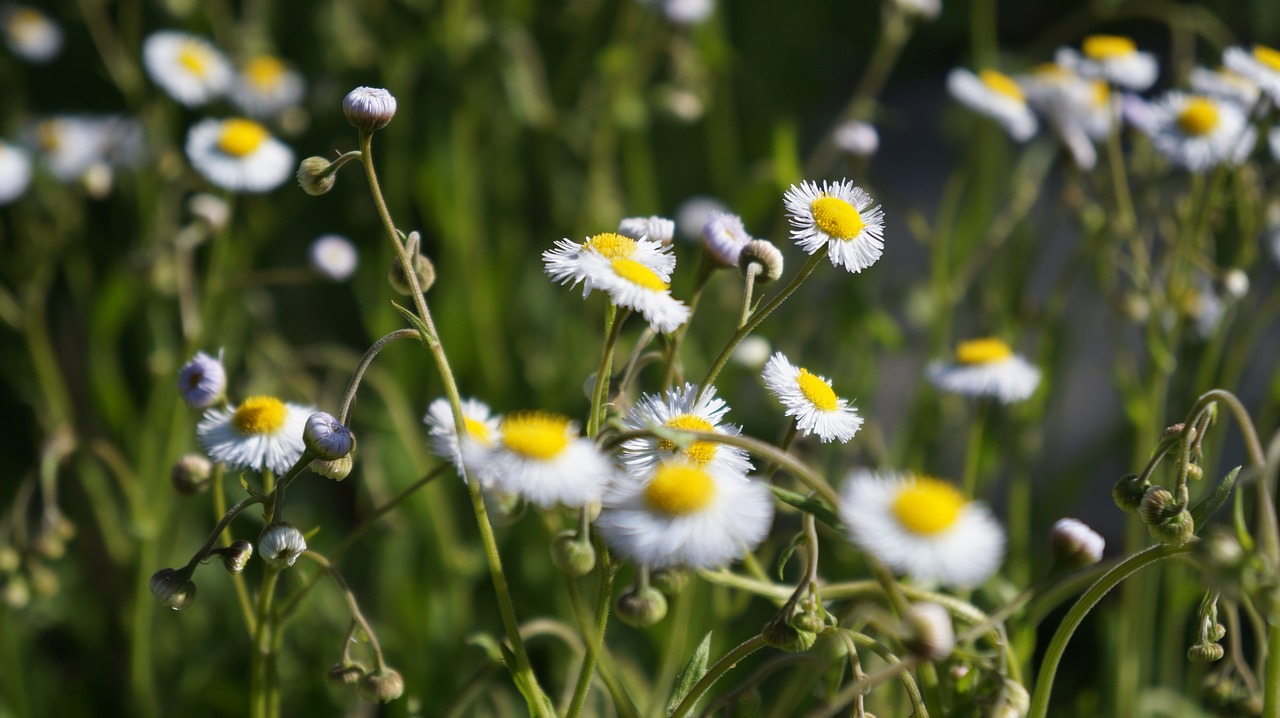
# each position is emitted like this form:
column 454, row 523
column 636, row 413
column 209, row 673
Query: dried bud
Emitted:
column 383, row 686
column 173, row 588
column 1176, row 529
column 641, row 608
column 1171, row 431
column 345, row 674
column 1128, row 492
column 281, row 544
column 1205, row 653
column 929, row 633
column 765, row 257
column 423, row 267
column 573, row 555
column 1157, row 504
column 785, row 637
column 191, row 474
column 327, row 438
column 337, row 469
column 369, row 108
column 671, row 581
column 236, row 556
column 316, row 176
column 202, row 382
column 1074, row 544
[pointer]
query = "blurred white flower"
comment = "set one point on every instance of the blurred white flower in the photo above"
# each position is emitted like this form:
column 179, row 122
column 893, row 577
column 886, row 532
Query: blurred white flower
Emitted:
column 15, row 172
column 997, row 96
column 334, row 256
column 1113, row 58
column 30, row 34
column 266, row 86
column 857, row 138
column 189, row 68
column 239, row 155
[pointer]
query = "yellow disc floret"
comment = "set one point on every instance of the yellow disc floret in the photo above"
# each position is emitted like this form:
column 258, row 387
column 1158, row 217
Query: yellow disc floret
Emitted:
column 611, row 245
column 241, row 137
column 817, row 391
column 927, row 506
column 536, row 434
column 699, row 452
column 1052, row 71
column 679, row 489
column 478, row 431
column 264, row 71
column 1106, row 47
column 1199, row 117
column 638, row 274
column 262, row 415
column 1101, row 93
column 1002, row 84
column 982, row 351
column 1267, row 56
column 195, row 58
column 836, row 217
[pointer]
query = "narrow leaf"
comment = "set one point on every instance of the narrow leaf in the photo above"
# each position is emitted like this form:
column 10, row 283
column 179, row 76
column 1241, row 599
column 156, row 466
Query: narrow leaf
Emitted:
column 692, row 673
column 820, row 510
column 1214, row 501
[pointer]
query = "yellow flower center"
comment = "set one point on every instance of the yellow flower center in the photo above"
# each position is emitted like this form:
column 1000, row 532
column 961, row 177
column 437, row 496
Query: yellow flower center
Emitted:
column 241, row 137
column 49, row 135
column 1199, row 117
column 1101, row 93
column 26, row 23
column 699, row 452
column 928, row 506
column 982, row 351
column 537, row 435
column 1107, row 47
column 679, row 489
column 836, row 217
column 478, row 431
column 259, row 415
column 195, row 58
column 817, row 391
column 264, row 71
column 1051, row 71
column 1267, row 56
column 1002, row 84
column 638, row 274
column 611, row 245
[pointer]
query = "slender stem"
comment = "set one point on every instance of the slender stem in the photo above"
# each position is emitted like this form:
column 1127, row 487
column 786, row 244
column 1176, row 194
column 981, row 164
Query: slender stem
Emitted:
column 262, row 662
column 749, row 285
column 713, row 674
column 706, row 267
column 227, row 518
column 601, row 388
column 973, row 454
column 357, row 616
column 594, row 642
column 1271, row 678
column 363, row 366
column 220, row 509
column 862, row 685
column 908, row 683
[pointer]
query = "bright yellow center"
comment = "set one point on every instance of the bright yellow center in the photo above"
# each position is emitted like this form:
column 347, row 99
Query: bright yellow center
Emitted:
column 1267, row 56
column 679, row 489
column 612, row 245
column 241, row 137
column 638, row 274
column 928, row 506
column 259, row 415
column 26, row 22
column 195, row 58
column 699, row 452
column 478, row 431
column 1002, row 84
column 264, row 71
column 982, row 351
column 836, row 217
column 1051, row 71
column 817, row 391
column 1107, row 47
column 49, row 135
column 537, row 435
column 1199, row 117
column 1101, row 93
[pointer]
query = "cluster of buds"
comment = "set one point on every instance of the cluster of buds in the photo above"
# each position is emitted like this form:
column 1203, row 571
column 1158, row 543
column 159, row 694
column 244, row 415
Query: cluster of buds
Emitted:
column 1165, row 515
column 380, row 686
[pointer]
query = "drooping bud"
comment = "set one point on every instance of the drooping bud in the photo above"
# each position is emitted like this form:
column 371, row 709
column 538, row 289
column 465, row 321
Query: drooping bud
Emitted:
column 369, row 108
column 327, row 438
column 281, row 544
column 191, row 474
column 202, row 381
column 1216, row 632
column 929, row 632
column 173, row 588
column 342, row 675
column 383, row 686
column 337, row 469
column 641, row 608
column 1194, row 472
column 1074, row 544
column 572, row 555
column 1205, row 653
column 766, row 258
column 1157, row 504
column 316, row 176
column 423, row 267
column 1128, row 492
column 236, row 556
column 671, row 581
column 786, row 637
column 1177, row 528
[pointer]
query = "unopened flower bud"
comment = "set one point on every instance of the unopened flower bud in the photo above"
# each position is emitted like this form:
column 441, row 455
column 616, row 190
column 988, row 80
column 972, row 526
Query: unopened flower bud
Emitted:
column 1205, row 653
column 1157, row 504
column 671, row 581
column 210, row 208
column 809, row 620
column 1235, row 284
column 336, row 469
column 786, row 637
column 369, row 108
column 1175, row 529
column 1128, row 492
column 173, row 588
column 1220, row 550
column 654, row 229
column 723, row 236
column 423, row 267
column 1074, row 544
column 342, row 675
column 765, row 257
column 573, row 555
column 316, row 176
column 1134, row 307
column 929, row 632
column 202, row 382
column 382, row 687
column 1015, row 702
column 281, row 544
column 236, row 556
column 191, row 474
column 1216, row 632
column 1194, row 472
column 641, row 608
column 327, row 438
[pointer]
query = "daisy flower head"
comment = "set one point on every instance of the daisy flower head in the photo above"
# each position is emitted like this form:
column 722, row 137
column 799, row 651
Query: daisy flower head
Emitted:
column 1197, row 133
column 483, row 431
column 723, row 236
column 30, row 34
column 986, row 367
column 187, row 67
column 811, row 400
column 68, row 145
column 683, row 514
column 997, row 96
column 682, row 408
column 1261, row 64
column 239, row 155
column 202, row 381
column 1113, row 58
column 858, row 138
column 334, row 257
column 922, row 527
column 266, row 86
column 633, row 284
column 540, row 457
column 15, row 172
column 1225, row 84
column 654, row 228
column 261, row 433
column 567, row 262
column 836, row 215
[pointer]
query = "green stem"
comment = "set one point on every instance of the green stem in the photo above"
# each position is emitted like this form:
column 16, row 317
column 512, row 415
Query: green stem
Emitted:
column 227, row 518
column 263, row 659
column 601, row 388
column 594, row 642
column 363, row 366
column 749, row 285
column 973, row 454
column 713, row 674
column 357, row 616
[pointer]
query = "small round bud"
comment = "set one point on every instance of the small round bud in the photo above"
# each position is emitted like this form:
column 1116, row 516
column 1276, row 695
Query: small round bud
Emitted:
column 723, row 236
column 1217, row 632
column 173, row 588
column 929, row 632
column 1015, row 702
column 342, row 675
column 202, row 381
column 1235, row 284
column 369, row 108
column 1175, row 529
column 327, row 438
column 1074, row 544
column 281, row 544
column 785, row 637
column 641, row 608
column 425, row 270
column 337, row 469
column 1157, row 504
column 572, row 555
column 671, row 581
column 236, row 556
column 1194, row 472
column 810, row 621
column 382, row 687
column 655, row 229
column 1220, row 550
column 1128, row 492
column 1205, row 653
column 316, row 176
column 191, row 474
column 10, row 559
column 765, row 257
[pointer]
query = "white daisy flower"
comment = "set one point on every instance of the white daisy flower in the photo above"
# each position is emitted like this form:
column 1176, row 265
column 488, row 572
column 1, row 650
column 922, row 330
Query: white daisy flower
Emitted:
column 682, row 408
column 30, row 34
column 15, row 172
column 483, row 432
column 540, row 457
column 239, row 155
column 688, row 12
column 267, row 87
column 68, row 145
column 187, row 67
column 654, row 228
column 811, row 400
column 922, row 527
column 723, row 236
column 857, row 138
column 1225, row 84
column 1080, row 111
column 566, row 263
column 202, row 381
column 986, row 367
column 334, row 256
column 261, row 433
column 682, row 514
column 926, row 9
column 1113, row 58
column 1196, row 132
column 1261, row 65
column 997, row 96
column 280, row 544
column 634, row 285
column 836, row 216
column 693, row 213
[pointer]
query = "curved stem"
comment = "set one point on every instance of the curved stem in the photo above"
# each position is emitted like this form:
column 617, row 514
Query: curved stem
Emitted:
column 227, row 518
column 363, row 366
column 594, row 642
column 349, row 598
column 713, row 674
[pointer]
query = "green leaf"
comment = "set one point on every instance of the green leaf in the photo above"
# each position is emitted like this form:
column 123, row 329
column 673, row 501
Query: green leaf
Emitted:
column 413, row 319
column 693, row 672
column 820, row 510
column 244, row 484
column 1214, row 501
column 488, row 644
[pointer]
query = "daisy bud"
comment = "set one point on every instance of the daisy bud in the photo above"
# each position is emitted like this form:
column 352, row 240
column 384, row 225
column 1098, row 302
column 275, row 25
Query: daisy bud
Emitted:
column 1216, row 632
column 930, row 634
column 765, row 257
column 212, row 209
column 641, row 608
column 1194, row 472
column 671, row 581
column 316, row 176
column 1175, row 529
column 1074, row 544
column 173, row 588
column 655, row 229
column 344, row 674
column 723, row 236
column 1220, row 550
column 236, row 556
column 281, row 544
column 572, row 555
column 191, row 474
column 423, row 267
column 382, row 687
column 810, row 621
column 785, row 637
column 336, row 469
column 1157, row 504
column 1015, row 702
column 327, row 438
column 1128, row 492
column 1205, row 653
column 369, row 109
column 202, row 381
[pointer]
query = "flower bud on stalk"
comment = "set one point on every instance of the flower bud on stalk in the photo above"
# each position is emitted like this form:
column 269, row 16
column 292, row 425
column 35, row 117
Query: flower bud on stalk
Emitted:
column 1074, row 544
column 572, row 555
column 173, row 588
column 641, row 608
column 236, row 556
column 1205, row 653
column 344, row 674
column 191, row 474
column 316, row 176
column 1129, row 491
column 369, row 108
column 765, row 257
column 327, row 438
column 383, row 686
column 1157, row 504
column 281, row 544
column 785, row 637
column 336, row 469
column 422, row 266
column 930, row 633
